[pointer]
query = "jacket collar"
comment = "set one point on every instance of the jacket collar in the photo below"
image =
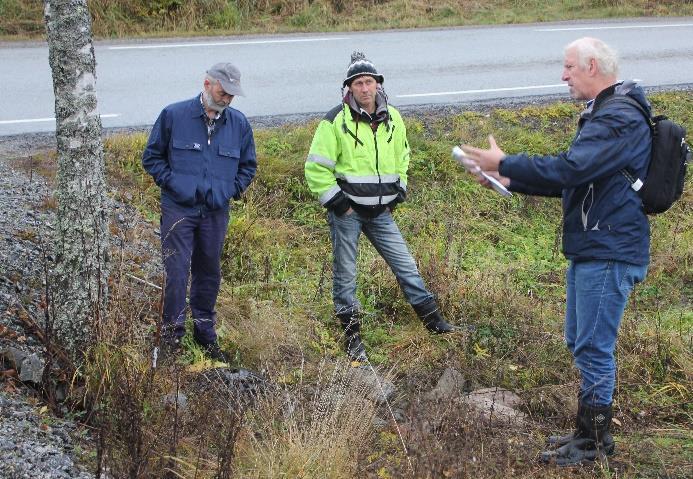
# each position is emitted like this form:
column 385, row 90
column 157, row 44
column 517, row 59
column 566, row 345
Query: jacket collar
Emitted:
column 381, row 114
column 197, row 109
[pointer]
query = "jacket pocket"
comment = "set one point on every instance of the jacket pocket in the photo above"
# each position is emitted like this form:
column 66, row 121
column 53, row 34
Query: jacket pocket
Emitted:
column 225, row 163
column 182, row 188
column 186, row 156
column 222, row 192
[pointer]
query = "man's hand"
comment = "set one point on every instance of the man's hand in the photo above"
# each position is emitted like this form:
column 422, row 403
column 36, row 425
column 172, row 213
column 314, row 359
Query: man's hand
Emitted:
column 502, row 179
column 488, row 160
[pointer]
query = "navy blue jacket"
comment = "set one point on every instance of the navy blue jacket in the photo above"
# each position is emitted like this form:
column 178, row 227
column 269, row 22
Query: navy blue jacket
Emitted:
column 195, row 171
column 603, row 217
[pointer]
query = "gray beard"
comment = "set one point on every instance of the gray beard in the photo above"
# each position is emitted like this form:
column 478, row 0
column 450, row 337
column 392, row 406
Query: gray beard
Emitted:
column 211, row 104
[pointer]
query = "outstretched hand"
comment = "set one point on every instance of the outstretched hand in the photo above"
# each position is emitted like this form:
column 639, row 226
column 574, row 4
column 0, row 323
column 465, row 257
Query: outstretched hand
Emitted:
column 488, row 160
column 502, row 179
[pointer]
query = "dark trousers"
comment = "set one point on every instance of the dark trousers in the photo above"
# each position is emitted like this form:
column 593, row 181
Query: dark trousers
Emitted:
column 191, row 248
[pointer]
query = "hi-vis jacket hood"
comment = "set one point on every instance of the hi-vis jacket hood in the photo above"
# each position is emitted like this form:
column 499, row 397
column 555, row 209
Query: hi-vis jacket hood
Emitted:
column 603, row 217
column 350, row 163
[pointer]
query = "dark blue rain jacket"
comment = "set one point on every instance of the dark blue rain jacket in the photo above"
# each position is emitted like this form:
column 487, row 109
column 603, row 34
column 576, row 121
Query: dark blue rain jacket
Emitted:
column 603, row 217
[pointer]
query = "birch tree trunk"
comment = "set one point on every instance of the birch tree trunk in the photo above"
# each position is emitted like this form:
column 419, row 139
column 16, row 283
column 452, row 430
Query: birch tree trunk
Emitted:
column 81, row 272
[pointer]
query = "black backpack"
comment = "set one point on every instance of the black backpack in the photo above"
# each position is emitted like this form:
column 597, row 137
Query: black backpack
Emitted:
column 666, row 172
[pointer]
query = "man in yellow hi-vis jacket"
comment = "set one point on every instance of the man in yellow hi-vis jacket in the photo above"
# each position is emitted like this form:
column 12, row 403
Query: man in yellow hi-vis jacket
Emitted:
column 357, row 166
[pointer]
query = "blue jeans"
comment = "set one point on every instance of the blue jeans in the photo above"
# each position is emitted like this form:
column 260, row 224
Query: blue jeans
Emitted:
column 384, row 235
column 596, row 296
column 191, row 247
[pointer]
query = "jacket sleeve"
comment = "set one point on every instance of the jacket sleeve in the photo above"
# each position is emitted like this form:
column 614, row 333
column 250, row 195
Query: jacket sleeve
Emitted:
column 248, row 162
column 597, row 152
column 320, row 165
column 525, row 189
column 155, row 155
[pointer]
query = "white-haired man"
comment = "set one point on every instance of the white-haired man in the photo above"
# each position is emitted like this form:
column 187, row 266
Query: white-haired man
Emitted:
column 606, row 234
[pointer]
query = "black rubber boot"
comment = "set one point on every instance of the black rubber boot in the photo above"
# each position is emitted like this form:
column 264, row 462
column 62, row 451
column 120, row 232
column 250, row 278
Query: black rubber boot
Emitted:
column 430, row 314
column 562, row 440
column 215, row 353
column 351, row 326
column 590, row 442
column 558, row 440
column 170, row 348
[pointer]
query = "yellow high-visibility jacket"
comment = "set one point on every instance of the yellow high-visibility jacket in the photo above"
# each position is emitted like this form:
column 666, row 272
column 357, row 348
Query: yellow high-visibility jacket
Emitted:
column 350, row 164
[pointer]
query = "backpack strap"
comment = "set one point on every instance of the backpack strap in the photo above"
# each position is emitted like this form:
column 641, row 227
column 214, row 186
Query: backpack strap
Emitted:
column 635, row 183
column 617, row 98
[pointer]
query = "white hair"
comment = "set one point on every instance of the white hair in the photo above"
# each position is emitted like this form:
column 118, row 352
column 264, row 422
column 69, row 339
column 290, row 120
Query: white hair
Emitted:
column 588, row 48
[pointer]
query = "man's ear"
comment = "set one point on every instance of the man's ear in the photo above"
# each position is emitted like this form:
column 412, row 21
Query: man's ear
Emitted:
column 206, row 83
column 592, row 68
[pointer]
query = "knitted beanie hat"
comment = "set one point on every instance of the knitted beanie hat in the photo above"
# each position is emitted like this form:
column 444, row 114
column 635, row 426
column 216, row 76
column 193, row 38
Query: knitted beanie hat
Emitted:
column 359, row 66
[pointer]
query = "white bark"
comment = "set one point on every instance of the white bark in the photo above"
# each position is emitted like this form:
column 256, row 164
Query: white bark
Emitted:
column 80, row 278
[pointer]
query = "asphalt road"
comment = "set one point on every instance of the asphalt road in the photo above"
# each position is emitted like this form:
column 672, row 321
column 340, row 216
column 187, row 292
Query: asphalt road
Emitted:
column 298, row 74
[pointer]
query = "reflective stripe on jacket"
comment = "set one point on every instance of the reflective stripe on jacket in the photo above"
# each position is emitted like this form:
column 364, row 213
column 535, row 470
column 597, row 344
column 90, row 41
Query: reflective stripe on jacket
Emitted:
column 348, row 160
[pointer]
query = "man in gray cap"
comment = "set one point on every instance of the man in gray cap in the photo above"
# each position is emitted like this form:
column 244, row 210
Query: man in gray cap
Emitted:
column 201, row 153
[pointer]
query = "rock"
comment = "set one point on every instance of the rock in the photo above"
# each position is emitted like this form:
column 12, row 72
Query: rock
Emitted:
column 450, row 385
column 379, row 423
column 496, row 404
column 173, row 400
column 497, row 395
column 27, row 228
column 378, row 389
column 233, row 387
column 14, row 356
column 32, row 369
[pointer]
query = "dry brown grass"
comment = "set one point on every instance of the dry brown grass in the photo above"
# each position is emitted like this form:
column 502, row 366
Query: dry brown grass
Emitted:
column 323, row 435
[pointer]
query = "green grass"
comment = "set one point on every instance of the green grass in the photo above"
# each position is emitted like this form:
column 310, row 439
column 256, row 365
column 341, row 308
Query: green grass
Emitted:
column 24, row 19
column 494, row 263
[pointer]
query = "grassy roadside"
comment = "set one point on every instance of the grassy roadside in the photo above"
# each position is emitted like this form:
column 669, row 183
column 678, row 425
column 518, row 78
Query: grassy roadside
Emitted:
column 23, row 19
column 494, row 263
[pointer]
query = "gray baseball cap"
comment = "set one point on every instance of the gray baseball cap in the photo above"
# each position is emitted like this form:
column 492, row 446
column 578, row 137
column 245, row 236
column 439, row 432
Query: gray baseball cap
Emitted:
column 229, row 76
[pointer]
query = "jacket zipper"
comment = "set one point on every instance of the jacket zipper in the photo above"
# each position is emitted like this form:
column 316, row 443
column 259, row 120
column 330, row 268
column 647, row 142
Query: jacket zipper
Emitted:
column 377, row 164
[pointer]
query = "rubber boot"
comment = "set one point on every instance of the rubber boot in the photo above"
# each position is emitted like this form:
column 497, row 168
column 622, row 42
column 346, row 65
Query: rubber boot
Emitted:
column 430, row 315
column 562, row 440
column 591, row 441
column 351, row 326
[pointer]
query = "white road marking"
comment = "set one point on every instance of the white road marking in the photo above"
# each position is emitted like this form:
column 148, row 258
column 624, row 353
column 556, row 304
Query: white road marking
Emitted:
column 38, row 120
column 217, row 44
column 613, row 27
column 487, row 90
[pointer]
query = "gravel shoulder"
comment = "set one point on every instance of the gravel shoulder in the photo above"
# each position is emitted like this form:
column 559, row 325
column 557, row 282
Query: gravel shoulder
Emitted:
column 33, row 443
